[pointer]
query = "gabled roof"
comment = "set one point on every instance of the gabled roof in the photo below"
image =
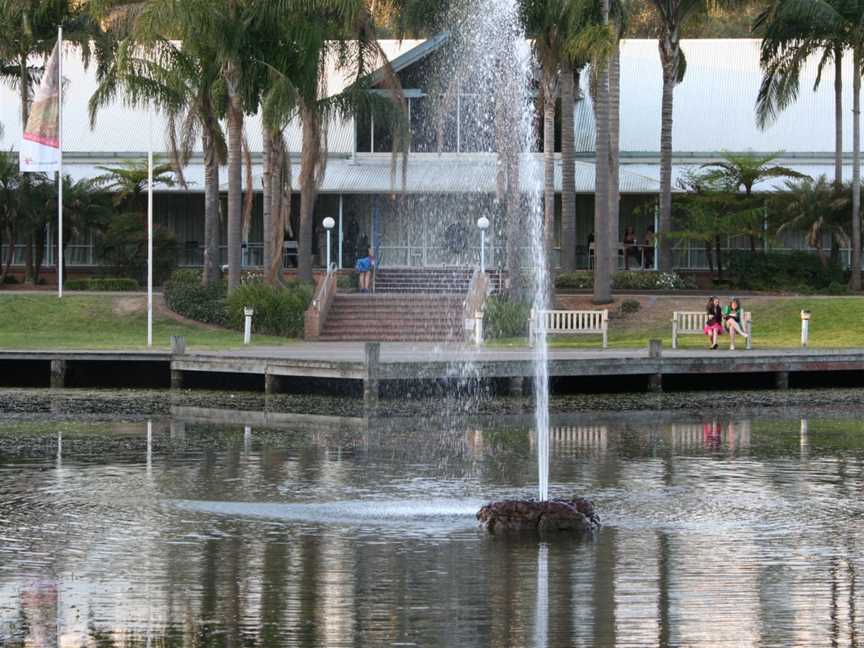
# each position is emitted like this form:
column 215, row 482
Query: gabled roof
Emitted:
column 412, row 56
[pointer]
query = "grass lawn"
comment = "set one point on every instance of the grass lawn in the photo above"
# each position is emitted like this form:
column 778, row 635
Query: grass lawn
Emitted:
column 92, row 321
column 836, row 322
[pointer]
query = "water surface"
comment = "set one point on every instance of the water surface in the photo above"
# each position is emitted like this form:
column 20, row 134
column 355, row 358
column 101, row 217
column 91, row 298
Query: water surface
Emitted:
column 220, row 527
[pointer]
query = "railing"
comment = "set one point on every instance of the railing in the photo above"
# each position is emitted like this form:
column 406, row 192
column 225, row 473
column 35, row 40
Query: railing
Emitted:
column 475, row 304
column 317, row 312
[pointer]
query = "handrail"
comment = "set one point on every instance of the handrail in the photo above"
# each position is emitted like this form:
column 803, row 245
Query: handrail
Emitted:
column 318, row 310
column 474, row 305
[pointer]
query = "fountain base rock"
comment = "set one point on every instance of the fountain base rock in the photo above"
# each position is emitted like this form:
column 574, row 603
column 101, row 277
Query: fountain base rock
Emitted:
column 509, row 516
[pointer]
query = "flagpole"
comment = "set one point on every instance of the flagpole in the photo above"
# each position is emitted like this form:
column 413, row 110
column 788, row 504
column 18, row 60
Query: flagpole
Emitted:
column 150, row 229
column 60, row 164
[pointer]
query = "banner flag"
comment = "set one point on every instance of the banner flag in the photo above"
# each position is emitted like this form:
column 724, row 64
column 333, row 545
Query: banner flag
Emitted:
column 40, row 148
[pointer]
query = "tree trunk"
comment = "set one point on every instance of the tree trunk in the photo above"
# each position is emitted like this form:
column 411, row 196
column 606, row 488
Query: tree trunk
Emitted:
column 669, row 57
column 855, row 277
column 614, row 139
column 719, row 246
column 235, row 190
column 24, row 90
column 308, row 190
column 10, row 253
column 212, row 270
column 267, row 224
column 568, row 169
column 549, row 96
column 602, row 265
column 29, row 273
column 280, row 205
column 838, row 116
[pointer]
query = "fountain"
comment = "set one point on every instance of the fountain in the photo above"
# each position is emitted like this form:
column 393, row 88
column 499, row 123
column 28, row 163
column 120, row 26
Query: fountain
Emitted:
column 490, row 48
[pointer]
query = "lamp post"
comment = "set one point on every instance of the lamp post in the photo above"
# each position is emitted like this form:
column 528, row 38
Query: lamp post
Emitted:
column 328, row 225
column 805, row 329
column 483, row 224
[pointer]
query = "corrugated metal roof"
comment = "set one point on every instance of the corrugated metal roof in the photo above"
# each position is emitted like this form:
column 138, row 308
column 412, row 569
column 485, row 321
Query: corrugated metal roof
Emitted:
column 652, row 171
column 428, row 174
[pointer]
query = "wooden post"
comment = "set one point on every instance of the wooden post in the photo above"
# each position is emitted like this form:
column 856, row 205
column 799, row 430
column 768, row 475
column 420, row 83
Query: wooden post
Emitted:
column 178, row 347
column 516, row 386
column 176, row 379
column 655, row 380
column 272, row 384
column 59, row 372
column 370, row 382
column 781, row 380
column 178, row 344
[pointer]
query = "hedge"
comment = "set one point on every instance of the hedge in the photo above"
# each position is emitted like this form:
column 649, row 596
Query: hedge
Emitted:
column 278, row 311
column 185, row 295
column 796, row 271
column 106, row 284
column 627, row 280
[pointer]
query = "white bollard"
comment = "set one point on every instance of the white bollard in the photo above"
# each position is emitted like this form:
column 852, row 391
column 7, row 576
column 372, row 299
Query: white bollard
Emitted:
column 247, row 326
column 478, row 328
column 805, row 328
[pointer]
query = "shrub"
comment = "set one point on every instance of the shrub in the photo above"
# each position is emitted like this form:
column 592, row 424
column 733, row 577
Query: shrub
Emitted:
column 650, row 280
column 627, row 280
column 799, row 271
column 123, row 247
column 185, row 295
column 107, row 284
column 77, row 284
column 629, row 306
column 582, row 279
column 278, row 311
column 505, row 319
column 10, row 279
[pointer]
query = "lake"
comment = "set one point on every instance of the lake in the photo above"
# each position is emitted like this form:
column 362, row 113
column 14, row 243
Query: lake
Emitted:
column 153, row 521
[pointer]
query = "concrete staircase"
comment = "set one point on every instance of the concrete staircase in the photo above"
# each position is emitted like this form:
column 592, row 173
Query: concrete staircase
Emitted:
column 394, row 317
column 428, row 281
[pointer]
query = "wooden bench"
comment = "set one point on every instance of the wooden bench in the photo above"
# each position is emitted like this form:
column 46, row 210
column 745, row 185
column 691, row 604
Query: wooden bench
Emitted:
column 567, row 322
column 693, row 323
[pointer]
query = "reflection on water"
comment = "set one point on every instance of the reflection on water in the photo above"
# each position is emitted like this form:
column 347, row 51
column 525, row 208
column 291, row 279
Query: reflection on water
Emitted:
column 227, row 528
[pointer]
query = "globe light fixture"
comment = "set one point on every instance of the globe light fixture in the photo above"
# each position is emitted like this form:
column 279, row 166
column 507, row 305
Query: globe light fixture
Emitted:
column 328, row 223
column 483, row 225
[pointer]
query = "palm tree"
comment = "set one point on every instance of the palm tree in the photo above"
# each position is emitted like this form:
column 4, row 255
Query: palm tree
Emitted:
column 795, row 31
column 741, row 171
column 602, row 245
column 184, row 82
column 86, row 209
column 814, row 207
column 546, row 21
column 127, row 183
column 9, row 208
column 671, row 15
column 28, row 28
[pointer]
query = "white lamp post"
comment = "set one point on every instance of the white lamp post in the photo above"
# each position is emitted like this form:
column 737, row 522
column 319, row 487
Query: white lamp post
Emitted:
column 483, row 224
column 805, row 328
column 329, row 223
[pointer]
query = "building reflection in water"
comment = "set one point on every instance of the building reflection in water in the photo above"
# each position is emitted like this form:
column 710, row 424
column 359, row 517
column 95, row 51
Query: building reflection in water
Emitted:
column 701, row 547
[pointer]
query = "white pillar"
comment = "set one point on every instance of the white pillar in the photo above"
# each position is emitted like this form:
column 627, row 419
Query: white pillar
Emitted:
column 150, row 231
column 247, row 325
column 805, row 328
column 341, row 231
column 60, row 164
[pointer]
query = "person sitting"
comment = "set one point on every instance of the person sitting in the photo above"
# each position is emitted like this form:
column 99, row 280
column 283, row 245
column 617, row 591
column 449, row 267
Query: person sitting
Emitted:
column 364, row 267
column 630, row 247
column 648, row 253
column 714, row 325
column 733, row 316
